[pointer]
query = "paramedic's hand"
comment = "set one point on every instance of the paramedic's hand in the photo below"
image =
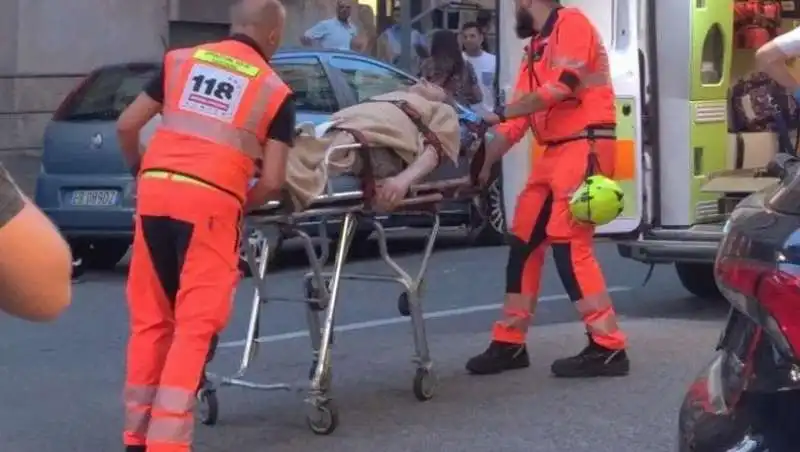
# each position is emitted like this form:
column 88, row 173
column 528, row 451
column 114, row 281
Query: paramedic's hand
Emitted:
column 492, row 119
column 390, row 192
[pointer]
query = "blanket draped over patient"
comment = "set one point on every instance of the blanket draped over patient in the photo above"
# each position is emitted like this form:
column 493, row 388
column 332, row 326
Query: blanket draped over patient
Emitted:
column 394, row 139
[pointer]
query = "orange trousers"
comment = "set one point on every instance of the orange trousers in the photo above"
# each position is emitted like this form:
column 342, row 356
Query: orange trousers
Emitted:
column 542, row 218
column 183, row 273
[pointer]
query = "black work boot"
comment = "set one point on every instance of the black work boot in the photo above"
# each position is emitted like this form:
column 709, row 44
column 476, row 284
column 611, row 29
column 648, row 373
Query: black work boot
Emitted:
column 499, row 357
column 135, row 448
column 594, row 361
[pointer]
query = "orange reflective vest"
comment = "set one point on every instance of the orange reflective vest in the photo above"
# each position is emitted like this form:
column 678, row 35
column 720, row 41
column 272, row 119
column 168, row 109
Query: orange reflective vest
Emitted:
column 219, row 100
column 566, row 65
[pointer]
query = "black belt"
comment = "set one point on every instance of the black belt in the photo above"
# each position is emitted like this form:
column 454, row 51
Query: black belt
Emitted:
column 592, row 133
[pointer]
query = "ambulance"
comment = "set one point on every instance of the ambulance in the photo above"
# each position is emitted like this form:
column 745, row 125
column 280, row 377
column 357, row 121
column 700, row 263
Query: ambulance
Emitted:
column 672, row 64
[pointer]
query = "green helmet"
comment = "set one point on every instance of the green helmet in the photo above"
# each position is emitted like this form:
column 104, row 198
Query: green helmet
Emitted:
column 599, row 200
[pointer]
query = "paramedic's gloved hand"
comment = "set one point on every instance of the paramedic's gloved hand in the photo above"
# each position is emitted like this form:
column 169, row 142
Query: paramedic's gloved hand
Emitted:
column 390, row 192
column 492, row 119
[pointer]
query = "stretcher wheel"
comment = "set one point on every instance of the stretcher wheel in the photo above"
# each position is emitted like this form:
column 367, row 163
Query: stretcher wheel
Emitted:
column 403, row 305
column 209, row 406
column 424, row 385
column 324, row 419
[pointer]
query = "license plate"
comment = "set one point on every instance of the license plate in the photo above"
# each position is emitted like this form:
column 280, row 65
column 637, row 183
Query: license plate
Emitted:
column 94, row 198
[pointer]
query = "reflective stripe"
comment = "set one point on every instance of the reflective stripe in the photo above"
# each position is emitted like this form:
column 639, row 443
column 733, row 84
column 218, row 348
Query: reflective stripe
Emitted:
column 602, row 323
column 138, row 400
column 156, row 174
column 244, row 137
column 136, row 421
column 226, row 61
column 569, row 63
column 516, row 318
column 212, row 130
column 593, row 304
column 598, row 314
column 262, row 110
column 171, row 430
column 176, row 401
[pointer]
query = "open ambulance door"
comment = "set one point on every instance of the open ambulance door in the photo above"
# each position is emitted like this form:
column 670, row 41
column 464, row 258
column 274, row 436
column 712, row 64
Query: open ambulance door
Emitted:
column 618, row 27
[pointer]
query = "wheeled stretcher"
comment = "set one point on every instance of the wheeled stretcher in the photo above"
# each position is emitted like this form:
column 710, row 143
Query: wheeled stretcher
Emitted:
column 322, row 286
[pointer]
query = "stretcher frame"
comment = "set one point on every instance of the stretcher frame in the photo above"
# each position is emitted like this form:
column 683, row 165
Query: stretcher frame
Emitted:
column 322, row 288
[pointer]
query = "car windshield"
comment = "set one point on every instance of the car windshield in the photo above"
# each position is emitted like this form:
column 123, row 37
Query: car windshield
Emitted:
column 107, row 92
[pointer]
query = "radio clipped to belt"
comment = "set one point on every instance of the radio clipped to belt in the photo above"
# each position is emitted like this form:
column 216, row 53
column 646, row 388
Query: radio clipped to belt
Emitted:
column 599, row 200
column 756, row 22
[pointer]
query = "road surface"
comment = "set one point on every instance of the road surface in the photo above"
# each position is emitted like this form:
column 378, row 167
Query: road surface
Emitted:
column 62, row 381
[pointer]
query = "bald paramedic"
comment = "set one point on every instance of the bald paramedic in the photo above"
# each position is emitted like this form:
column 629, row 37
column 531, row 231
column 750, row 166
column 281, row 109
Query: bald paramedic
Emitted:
column 222, row 110
column 564, row 95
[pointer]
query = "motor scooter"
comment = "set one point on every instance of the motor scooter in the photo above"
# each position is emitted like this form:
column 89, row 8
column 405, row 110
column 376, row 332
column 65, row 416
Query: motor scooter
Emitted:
column 748, row 397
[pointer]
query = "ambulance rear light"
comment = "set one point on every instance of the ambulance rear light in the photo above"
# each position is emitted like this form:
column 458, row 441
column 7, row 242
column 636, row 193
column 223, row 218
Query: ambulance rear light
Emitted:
column 774, row 287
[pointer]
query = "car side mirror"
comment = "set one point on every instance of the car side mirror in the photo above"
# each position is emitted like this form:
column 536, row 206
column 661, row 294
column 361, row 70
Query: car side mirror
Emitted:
column 783, row 166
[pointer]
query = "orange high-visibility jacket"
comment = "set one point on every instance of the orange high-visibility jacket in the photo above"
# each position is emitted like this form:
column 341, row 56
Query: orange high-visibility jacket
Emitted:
column 567, row 66
column 219, row 100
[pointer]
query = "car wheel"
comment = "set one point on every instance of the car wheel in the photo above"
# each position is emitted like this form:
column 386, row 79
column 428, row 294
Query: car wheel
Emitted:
column 698, row 279
column 254, row 240
column 102, row 254
column 487, row 218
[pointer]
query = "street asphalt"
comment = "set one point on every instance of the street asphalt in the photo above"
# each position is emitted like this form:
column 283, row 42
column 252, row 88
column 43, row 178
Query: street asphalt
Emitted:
column 63, row 380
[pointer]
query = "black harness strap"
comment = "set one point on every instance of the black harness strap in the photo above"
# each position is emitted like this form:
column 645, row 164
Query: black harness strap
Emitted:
column 429, row 138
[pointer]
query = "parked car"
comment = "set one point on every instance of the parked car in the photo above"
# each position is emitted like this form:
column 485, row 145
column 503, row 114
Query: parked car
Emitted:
column 85, row 188
column 748, row 397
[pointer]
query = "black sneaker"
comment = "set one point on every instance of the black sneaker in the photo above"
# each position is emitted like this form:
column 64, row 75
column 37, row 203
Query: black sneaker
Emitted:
column 499, row 357
column 135, row 448
column 594, row 361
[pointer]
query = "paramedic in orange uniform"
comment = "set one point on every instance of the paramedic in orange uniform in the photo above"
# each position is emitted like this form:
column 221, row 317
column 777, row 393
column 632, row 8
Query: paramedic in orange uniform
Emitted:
column 564, row 94
column 223, row 108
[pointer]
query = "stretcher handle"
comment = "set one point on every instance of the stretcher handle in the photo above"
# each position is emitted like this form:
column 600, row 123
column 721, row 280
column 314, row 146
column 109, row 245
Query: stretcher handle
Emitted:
column 329, row 152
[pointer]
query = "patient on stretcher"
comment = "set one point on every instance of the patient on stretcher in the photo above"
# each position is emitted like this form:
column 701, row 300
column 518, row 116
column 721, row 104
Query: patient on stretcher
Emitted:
column 405, row 135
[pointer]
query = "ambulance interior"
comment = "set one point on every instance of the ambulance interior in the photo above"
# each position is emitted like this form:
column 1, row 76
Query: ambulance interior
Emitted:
column 749, row 147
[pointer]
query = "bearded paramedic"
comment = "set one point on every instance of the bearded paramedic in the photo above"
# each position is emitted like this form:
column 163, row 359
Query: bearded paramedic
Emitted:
column 564, row 94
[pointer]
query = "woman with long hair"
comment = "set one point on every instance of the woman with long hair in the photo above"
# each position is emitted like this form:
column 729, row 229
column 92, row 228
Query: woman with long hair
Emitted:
column 447, row 68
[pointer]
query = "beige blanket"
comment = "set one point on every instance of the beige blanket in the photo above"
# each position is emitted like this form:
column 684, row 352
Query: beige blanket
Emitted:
column 395, row 139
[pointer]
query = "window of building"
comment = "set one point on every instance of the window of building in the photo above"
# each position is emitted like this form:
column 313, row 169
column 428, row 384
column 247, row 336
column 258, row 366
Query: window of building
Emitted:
column 311, row 87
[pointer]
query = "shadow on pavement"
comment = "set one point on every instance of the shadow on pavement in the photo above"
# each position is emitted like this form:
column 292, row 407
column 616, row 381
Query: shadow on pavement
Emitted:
column 291, row 255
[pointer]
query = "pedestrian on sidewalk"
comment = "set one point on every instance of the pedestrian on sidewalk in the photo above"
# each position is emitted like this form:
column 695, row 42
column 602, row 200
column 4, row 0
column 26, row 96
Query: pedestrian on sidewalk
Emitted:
column 447, row 68
column 483, row 62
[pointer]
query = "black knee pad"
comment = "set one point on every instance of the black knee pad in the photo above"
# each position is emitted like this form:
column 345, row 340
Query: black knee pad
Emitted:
column 212, row 348
column 518, row 253
column 562, row 255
